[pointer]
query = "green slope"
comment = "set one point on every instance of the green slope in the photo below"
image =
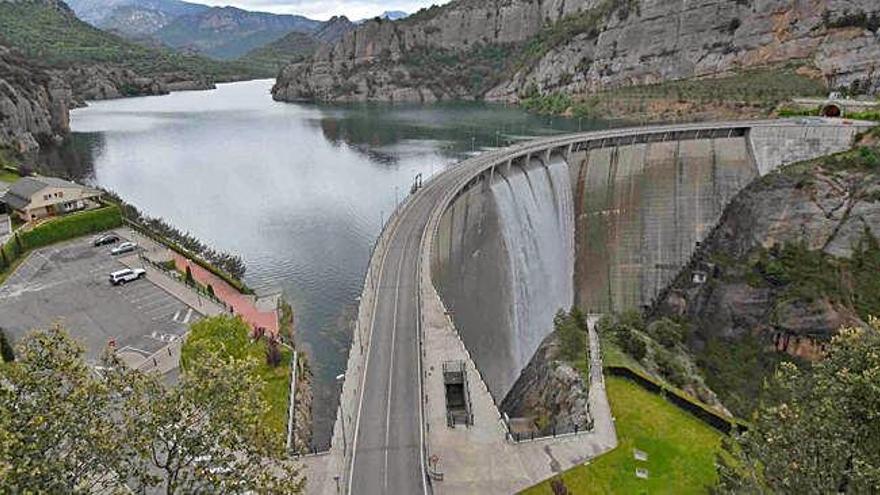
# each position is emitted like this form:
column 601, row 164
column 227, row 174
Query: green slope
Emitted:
column 49, row 31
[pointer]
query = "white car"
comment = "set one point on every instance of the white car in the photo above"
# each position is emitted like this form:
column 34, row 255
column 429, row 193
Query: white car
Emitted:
column 125, row 247
column 127, row 275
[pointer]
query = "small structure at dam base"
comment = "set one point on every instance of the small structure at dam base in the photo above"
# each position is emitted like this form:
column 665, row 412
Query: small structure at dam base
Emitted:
column 458, row 397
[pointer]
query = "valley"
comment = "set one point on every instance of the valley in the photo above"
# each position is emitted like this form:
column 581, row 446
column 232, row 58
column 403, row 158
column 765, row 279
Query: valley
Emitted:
column 588, row 246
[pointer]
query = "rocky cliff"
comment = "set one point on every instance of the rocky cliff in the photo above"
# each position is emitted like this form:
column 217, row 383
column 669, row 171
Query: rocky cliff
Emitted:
column 550, row 395
column 104, row 82
column 581, row 46
column 33, row 104
column 794, row 257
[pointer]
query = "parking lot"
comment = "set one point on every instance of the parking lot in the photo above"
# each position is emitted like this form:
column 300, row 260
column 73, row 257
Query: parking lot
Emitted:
column 68, row 283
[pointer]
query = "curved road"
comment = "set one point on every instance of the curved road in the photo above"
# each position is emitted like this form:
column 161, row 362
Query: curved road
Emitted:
column 388, row 438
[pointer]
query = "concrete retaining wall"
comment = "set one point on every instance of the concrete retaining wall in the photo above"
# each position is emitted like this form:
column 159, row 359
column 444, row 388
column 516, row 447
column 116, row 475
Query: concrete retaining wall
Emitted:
column 774, row 146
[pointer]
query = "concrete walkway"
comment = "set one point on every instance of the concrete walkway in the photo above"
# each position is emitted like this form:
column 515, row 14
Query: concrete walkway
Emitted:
column 481, row 458
column 245, row 305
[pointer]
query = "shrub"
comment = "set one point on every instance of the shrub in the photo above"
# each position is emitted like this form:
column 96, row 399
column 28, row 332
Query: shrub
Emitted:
column 71, row 226
column 572, row 337
column 667, row 332
column 671, row 368
column 273, row 352
column 630, row 342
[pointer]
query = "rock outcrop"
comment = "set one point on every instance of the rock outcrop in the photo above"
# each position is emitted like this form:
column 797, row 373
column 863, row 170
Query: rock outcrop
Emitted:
column 550, row 395
column 588, row 45
column 34, row 104
column 793, row 259
column 103, row 82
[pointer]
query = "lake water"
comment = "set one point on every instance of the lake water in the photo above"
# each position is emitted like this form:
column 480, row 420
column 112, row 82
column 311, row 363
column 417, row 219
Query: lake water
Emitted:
column 299, row 191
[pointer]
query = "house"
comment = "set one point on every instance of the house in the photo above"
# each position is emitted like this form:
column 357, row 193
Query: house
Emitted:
column 32, row 198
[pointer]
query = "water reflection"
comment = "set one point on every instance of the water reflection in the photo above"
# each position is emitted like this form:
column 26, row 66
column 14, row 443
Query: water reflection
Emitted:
column 299, row 191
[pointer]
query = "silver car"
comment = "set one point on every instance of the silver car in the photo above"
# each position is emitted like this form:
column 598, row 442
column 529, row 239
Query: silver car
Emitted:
column 125, row 247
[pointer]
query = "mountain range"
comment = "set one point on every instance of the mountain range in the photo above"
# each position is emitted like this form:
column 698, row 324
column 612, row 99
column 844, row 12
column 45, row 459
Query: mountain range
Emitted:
column 223, row 33
column 503, row 50
column 218, row 32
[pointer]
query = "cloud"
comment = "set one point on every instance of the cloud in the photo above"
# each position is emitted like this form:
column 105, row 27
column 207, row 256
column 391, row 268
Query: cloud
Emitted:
column 325, row 9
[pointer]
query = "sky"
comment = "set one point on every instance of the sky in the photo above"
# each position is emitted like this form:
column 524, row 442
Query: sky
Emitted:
column 325, row 9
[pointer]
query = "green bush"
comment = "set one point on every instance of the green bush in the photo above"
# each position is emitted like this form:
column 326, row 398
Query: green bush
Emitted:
column 665, row 331
column 671, row 368
column 572, row 333
column 71, row 226
column 630, row 342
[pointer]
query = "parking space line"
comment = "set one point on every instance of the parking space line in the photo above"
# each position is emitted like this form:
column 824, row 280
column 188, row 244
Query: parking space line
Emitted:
column 188, row 316
column 147, row 298
column 176, row 315
column 162, row 312
column 164, row 300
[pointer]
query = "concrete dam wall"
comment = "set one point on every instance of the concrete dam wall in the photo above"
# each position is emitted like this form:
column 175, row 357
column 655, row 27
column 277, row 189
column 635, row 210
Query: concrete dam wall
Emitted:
column 642, row 209
column 637, row 204
column 503, row 259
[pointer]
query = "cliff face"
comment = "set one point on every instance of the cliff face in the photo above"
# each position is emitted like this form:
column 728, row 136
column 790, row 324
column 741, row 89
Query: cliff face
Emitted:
column 793, row 258
column 587, row 45
column 33, row 104
column 104, row 82
column 550, row 395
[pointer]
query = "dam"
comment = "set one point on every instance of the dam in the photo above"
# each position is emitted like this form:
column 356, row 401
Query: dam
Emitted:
column 603, row 224
column 472, row 267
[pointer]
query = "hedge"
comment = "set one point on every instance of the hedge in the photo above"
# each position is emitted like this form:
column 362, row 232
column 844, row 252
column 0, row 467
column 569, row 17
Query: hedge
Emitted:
column 71, row 226
column 59, row 229
column 170, row 244
column 708, row 416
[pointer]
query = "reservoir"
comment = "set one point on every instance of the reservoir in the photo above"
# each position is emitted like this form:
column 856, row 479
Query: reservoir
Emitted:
column 299, row 191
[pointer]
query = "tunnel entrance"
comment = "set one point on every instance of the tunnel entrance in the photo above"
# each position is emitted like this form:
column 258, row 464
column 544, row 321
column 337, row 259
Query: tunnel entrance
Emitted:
column 831, row 110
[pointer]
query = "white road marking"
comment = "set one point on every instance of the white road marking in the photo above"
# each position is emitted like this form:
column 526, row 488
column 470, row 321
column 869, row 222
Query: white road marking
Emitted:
column 176, row 316
column 357, row 424
column 188, row 316
column 391, row 364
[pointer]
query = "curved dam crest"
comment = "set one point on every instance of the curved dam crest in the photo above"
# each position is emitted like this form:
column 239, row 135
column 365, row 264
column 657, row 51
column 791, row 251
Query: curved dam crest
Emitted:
column 604, row 226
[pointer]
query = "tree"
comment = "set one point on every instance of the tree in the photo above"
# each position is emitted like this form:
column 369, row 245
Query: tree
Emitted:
column 66, row 429
column 6, row 351
column 207, row 434
column 60, row 436
column 188, row 277
column 815, row 430
column 210, row 290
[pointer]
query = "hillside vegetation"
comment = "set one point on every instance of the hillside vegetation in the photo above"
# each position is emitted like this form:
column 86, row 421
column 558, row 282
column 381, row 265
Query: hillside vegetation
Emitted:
column 49, row 31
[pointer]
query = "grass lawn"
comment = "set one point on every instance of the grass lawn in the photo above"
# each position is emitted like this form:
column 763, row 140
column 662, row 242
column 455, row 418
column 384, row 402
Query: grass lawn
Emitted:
column 8, row 176
column 233, row 336
column 681, row 449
